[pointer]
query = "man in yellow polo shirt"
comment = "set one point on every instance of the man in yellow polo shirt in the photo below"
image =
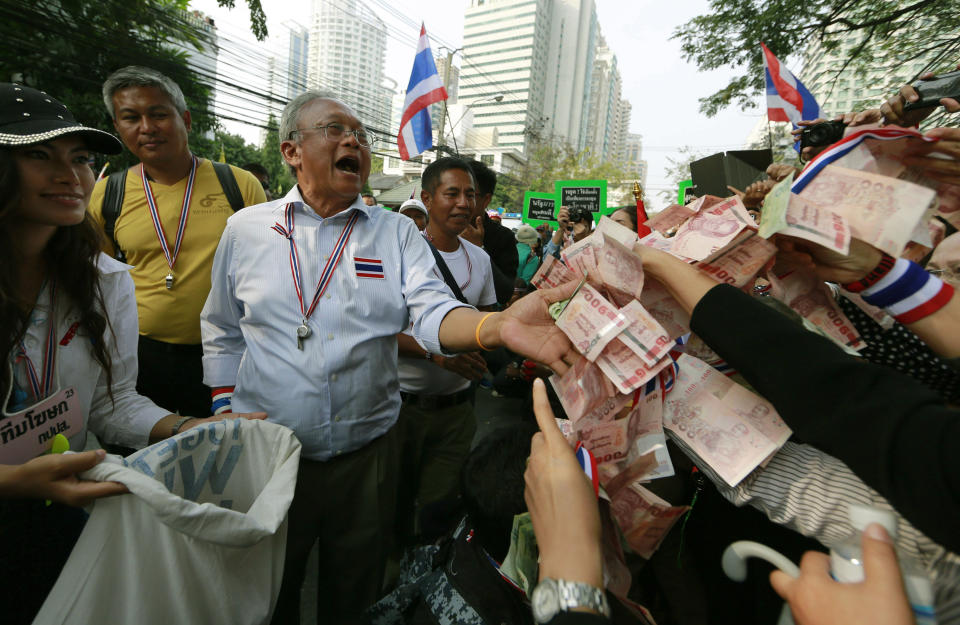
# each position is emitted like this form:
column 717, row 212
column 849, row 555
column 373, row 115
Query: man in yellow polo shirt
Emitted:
column 173, row 211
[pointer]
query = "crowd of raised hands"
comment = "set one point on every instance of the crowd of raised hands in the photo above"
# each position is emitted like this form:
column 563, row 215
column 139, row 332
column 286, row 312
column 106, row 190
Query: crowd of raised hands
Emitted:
column 564, row 508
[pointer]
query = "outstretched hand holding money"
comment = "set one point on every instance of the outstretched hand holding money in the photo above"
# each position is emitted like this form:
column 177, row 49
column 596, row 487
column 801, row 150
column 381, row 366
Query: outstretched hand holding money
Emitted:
column 829, row 265
column 939, row 161
column 561, row 502
column 528, row 329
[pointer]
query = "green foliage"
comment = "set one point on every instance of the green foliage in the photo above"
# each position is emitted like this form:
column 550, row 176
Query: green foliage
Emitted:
column 281, row 180
column 235, row 150
column 783, row 151
column 258, row 19
column 678, row 169
column 68, row 48
column 549, row 162
column 892, row 31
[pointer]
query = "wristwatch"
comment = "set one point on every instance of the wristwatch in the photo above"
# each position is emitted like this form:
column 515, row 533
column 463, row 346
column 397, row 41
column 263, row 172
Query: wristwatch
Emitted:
column 552, row 596
column 179, row 425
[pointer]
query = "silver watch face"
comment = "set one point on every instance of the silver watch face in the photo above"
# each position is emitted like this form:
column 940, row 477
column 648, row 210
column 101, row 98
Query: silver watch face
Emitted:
column 545, row 601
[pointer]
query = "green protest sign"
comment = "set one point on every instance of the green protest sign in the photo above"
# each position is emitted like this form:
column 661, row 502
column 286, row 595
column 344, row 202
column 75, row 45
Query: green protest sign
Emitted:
column 539, row 208
column 588, row 194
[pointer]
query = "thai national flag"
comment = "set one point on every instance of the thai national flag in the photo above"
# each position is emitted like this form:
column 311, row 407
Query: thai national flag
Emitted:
column 787, row 99
column 368, row 267
column 589, row 465
column 425, row 88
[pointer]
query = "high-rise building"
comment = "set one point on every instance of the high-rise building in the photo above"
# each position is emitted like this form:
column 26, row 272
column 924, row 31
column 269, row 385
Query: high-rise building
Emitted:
column 505, row 52
column 854, row 88
column 633, row 157
column 604, row 123
column 573, row 43
column 347, row 49
column 624, row 113
column 539, row 54
column 298, row 56
column 204, row 62
column 450, row 76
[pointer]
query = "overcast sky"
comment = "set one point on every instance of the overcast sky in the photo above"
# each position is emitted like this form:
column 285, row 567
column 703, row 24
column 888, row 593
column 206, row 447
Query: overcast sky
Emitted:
column 660, row 85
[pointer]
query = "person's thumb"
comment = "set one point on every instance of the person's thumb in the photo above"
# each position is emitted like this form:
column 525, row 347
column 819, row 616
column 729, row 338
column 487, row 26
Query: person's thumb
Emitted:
column 75, row 463
column 782, row 584
column 879, row 558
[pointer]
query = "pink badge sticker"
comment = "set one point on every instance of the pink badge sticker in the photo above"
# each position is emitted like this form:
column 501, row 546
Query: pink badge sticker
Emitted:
column 26, row 434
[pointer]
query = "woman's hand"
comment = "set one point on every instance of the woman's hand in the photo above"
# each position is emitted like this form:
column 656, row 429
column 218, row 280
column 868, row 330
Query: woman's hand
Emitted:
column 54, row 477
column 562, row 506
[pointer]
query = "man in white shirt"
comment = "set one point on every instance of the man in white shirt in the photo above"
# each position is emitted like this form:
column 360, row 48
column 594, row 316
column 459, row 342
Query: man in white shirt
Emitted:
column 308, row 295
column 437, row 413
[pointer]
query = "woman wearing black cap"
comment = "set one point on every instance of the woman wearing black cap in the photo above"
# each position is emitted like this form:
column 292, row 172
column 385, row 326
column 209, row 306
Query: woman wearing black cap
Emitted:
column 68, row 340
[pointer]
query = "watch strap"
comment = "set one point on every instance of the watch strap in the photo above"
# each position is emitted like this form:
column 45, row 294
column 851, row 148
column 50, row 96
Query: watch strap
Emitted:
column 552, row 596
column 178, row 425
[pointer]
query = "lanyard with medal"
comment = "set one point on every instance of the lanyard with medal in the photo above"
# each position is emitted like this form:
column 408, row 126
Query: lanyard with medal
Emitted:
column 303, row 331
column 28, row 433
column 184, row 214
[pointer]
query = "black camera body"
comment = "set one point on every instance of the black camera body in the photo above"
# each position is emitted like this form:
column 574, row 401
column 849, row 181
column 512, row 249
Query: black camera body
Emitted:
column 824, row 133
column 933, row 90
column 578, row 214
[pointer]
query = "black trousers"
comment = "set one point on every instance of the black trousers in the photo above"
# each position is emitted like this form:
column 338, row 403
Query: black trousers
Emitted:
column 39, row 539
column 172, row 376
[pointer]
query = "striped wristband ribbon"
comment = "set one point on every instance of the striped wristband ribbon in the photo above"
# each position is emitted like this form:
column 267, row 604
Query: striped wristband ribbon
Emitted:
column 908, row 293
column 222, row 398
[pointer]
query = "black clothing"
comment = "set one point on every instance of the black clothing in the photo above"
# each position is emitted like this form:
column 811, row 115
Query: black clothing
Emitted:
column 171, row 375
column 897, row 435
column 501, row 245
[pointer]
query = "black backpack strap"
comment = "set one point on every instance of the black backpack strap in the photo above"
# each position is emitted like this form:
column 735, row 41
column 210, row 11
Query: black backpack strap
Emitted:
column 112, row 205
column 228, row 183
column 447, row 276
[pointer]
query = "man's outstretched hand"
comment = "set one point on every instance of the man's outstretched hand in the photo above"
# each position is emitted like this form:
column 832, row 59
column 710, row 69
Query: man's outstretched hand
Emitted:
column 528, row 329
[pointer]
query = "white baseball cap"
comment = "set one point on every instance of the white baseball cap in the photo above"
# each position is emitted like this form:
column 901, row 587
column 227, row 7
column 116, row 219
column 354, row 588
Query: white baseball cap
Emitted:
column 417, row 204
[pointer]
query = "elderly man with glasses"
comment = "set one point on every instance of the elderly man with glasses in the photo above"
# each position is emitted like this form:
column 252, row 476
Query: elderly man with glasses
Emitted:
column 309, row 293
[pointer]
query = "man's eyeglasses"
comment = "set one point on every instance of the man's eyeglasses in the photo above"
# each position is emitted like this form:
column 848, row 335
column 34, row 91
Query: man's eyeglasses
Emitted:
column 335, row 132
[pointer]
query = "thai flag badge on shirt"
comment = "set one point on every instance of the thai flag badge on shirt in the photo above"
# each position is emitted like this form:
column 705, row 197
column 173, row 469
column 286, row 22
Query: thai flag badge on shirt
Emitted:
column 368, row 267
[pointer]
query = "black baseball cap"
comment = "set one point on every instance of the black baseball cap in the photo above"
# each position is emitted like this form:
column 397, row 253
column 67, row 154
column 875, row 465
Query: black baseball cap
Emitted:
column 28, row 116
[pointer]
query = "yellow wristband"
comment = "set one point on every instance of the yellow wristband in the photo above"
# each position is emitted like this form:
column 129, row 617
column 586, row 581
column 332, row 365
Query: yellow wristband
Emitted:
column 482, row 346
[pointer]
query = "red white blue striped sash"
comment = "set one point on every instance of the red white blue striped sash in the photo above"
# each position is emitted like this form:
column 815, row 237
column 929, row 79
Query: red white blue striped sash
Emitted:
column 43, row 386
column 184, row 213
column 843, row 147
column 332, row 262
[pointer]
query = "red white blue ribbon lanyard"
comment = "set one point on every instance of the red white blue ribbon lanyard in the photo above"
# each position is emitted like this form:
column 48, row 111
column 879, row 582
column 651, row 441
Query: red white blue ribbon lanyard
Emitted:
column 332, row 262
column 43, row 386
column 843, row 147
column 184, row 214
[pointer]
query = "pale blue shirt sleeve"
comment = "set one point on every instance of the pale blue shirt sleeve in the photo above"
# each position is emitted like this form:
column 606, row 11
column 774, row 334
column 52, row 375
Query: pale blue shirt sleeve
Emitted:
column 551, row 249
column 428, row 298
column 223, row 343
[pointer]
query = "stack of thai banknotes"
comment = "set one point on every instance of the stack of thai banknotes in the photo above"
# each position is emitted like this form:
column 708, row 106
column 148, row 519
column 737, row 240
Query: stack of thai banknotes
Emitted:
column 637, row 384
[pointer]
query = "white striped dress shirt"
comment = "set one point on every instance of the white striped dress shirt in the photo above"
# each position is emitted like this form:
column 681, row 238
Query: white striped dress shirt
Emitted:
column 809, row 491
column 340, row 392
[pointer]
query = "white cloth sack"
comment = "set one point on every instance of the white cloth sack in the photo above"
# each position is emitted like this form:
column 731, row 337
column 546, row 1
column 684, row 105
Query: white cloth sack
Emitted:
column 199, row 539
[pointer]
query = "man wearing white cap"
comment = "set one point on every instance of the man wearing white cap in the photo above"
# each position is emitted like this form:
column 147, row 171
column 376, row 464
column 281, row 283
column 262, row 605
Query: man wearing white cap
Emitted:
column 415, row 210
